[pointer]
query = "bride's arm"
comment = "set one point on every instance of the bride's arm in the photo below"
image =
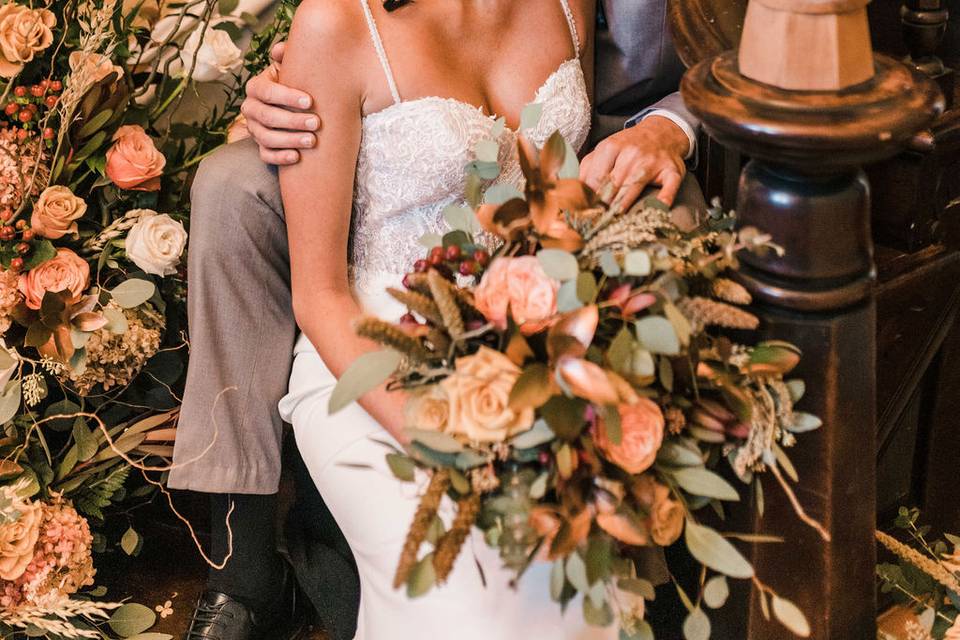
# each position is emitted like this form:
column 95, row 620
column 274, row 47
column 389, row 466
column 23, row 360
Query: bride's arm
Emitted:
column 324, row 58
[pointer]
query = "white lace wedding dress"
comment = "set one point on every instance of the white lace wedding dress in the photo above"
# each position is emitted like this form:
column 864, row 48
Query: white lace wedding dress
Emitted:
column 411, row 165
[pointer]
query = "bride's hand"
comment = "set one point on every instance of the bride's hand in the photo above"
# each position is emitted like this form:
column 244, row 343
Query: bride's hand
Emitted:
column 650, row 153
column 276, row 115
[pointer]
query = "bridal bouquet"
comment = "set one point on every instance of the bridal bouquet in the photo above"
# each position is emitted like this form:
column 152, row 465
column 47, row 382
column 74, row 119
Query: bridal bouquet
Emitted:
column 585, row 391
column 96, row 159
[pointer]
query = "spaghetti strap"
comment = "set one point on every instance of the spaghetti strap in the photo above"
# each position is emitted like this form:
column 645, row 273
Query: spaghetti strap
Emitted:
column 378, row 45
column 573, row 25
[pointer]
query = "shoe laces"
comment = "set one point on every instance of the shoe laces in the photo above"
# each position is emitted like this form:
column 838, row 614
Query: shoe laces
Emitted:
column 207, row 617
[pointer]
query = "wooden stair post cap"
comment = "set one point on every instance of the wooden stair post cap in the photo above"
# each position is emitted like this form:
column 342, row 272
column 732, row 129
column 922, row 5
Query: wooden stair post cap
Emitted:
column 807, row 45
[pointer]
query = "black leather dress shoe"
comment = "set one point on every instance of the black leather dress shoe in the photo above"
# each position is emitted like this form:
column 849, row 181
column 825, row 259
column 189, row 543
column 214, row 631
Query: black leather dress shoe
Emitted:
column 220, row 617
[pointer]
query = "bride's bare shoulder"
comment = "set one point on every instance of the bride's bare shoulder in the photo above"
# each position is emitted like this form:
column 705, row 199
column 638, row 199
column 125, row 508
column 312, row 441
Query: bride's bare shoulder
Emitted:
column 329, row 26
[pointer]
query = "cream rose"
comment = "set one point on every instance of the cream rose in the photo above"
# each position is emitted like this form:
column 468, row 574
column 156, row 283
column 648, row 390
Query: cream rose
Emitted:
column 428, row 409
column 641, row 426
column 216, row 54
column 24, row 32
column 18, row 539
column 133, row 161
column 479, row 394
column 156, row 242
column 92, row 67
column 66, row 272
column 56, row 211
column 522, row 286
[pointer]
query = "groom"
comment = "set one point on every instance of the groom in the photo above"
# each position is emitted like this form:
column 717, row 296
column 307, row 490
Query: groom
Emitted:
column 242, row 326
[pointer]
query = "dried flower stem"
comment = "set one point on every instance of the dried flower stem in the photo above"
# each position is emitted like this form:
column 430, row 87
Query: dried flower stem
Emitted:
column 929, row 566
column 448, row 548
column 797, row 507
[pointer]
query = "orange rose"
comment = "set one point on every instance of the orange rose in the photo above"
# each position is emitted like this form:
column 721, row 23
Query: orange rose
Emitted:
column 521, row 285
column 641, row 425
column 66, row 272
column 55, row 212
column 133, row 161
column 666, row 517
column 18, row 539
column 24, row 32
column 479, row 394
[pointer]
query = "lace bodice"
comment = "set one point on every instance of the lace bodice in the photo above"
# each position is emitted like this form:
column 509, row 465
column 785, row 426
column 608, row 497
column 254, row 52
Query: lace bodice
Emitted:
column 412, row 161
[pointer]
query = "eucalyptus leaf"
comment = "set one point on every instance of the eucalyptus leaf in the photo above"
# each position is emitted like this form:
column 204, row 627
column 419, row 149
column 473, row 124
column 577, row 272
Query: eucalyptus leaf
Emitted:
column 567, row 299
column 500, row 193
column 558, row 578
column 697, row 625
column 530, row 116
column 791, row 617
column 715, row 552
column 570, row 169
column 10, row 401
column 131, row 619
column 657, row 335
column 487, row 150
column 716, row 592
column 586, row 287
column 461, row 218
column 577, row 572
column 442, row 442
column 130, row 542
column 609, row 264
column 366, row 373
column 637, row 263
column 431, row 240
column 699, row 481
column 133, row 292
column 803, row 422
column 797, row 389
column 539, row 434
column 559, row 264
column 638, row 586
column 641, row 631
column 401, row 466
column 601, row 616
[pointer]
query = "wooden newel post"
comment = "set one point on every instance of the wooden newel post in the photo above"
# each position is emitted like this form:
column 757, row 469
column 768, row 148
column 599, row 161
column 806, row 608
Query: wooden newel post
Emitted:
column 808, row 101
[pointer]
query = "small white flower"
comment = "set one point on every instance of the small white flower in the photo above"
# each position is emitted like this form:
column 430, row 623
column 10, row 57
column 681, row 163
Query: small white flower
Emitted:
column 216, row 54
column 155, row 243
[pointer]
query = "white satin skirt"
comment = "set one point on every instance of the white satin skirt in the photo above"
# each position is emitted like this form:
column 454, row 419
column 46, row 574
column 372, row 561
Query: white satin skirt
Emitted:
column 375, row 510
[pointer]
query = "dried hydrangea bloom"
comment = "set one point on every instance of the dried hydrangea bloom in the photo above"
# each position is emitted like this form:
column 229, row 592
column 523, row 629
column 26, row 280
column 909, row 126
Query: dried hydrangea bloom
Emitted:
column 10, row 296
column 115, row 360
column 19, row 169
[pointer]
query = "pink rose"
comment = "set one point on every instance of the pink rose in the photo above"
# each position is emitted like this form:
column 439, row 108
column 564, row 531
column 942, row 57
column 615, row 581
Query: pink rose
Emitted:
column 66, row 272
column 641, row 424
column 133, row 161
column 521, row 285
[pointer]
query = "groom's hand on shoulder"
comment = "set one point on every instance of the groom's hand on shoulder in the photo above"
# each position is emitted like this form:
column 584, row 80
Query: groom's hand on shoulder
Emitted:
column 651, row 153
column 277, row 115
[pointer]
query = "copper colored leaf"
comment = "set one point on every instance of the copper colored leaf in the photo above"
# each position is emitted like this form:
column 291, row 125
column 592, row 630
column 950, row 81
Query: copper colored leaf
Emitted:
column 533, row 388
column 624, row 528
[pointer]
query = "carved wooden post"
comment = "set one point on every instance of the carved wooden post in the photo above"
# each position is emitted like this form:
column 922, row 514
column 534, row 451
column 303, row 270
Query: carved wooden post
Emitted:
column 808, row 102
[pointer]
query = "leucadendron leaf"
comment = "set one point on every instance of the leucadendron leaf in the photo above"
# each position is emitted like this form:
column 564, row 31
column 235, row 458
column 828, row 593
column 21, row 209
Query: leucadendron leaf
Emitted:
column 366, row 373
column 714, row 551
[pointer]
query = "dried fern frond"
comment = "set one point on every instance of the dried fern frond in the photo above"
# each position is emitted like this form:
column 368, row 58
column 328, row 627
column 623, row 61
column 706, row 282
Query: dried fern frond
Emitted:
column 730, row 291
column 418, row 303
column 448, row 547
column 422, row 519
column 444, row 295
column 389, row 335
column 704, row 312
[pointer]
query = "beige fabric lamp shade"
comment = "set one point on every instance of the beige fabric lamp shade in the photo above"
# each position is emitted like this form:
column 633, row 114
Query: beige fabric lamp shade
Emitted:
column 807, row 45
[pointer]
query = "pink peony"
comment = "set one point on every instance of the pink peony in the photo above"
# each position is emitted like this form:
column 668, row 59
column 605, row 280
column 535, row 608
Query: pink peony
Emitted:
column 522, row 286
column 133, row 161
column 641, row 424
column 66, row 272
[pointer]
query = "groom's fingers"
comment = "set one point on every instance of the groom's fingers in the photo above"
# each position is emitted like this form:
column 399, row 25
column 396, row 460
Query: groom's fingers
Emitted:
column 279, row 157
column 670, row 180
column 276, row 53
column 267, row 89
column 279, row 138
column 270, row 117
column 597, row 165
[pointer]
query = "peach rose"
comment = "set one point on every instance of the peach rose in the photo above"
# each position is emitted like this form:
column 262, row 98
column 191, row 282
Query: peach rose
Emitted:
column 66, row 272
column 522, row 286
column 641, row 424
column 94, row 67
column 666, row 517
column 18, row 539
column 56, row 211
column 133, row 161
column 479, row 393
column 427, row 409
column 24, row 32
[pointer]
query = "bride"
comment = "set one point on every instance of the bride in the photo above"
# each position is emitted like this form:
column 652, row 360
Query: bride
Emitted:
column 405, row 91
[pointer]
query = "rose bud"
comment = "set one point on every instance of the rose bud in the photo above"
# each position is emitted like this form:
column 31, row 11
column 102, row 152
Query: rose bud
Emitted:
column 619, row 295
column 638, row 303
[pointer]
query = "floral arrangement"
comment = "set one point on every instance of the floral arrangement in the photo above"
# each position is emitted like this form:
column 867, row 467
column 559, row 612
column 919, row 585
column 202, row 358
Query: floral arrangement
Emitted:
column 578, row 393
column 926, row 577
column 97, row 151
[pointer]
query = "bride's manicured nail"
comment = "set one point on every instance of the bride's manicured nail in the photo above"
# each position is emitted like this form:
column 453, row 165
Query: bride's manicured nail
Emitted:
column 312, row 123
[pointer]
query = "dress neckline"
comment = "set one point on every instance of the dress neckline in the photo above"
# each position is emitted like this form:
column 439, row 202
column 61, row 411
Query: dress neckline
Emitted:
column 467, row 105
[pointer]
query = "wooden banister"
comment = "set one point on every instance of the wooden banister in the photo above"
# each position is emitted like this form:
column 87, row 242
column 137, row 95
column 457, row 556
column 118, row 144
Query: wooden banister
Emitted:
column 804, row 185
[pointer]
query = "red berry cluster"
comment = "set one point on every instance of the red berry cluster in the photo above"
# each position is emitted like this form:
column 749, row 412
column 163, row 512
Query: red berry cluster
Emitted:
column 28, row 107
column 453, row 258
column 10, row 232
